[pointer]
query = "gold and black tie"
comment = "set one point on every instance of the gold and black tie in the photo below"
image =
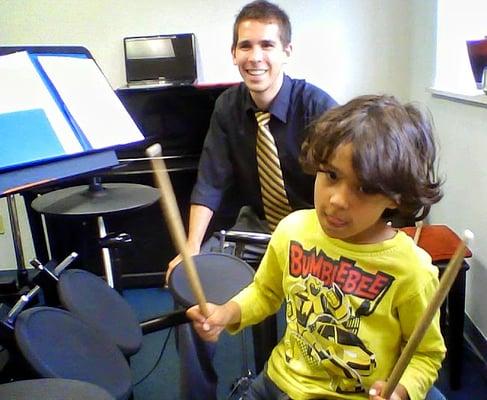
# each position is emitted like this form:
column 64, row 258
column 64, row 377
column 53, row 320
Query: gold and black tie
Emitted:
column 274, row 198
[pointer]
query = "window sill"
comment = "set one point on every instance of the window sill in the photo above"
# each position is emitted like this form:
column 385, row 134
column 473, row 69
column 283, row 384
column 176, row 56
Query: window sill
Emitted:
column 476, row 98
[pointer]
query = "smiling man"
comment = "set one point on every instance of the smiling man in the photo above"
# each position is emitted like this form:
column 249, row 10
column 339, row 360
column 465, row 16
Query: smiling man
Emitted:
column 230, row 160
column 260, row 49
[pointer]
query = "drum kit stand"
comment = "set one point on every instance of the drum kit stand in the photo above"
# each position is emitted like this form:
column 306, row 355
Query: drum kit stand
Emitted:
column 43, row 288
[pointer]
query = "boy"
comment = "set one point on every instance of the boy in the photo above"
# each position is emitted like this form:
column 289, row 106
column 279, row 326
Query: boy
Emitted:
column 354, row 287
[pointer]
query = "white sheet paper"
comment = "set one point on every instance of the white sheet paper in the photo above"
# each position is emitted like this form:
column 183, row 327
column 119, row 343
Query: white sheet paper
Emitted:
column 21, row 88
column 91, row 101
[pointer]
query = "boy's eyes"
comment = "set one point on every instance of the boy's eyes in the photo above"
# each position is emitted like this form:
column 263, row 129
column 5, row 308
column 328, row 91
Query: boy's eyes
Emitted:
column 330, row 174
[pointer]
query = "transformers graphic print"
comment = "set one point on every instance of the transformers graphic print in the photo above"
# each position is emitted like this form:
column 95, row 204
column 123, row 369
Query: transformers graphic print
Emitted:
column 323, row 324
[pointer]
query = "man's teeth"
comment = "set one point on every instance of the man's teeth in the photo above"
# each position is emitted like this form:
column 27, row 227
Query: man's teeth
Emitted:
column 256, row 71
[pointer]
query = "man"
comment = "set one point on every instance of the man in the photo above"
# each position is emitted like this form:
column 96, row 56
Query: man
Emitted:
column 260, row 49
column 261, row 46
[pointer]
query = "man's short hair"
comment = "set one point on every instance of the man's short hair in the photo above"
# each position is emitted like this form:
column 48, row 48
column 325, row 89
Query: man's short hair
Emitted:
column 264, row 11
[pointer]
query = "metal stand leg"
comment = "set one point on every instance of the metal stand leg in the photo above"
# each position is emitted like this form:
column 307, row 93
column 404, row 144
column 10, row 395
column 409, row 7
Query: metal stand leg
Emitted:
column 107, row 262
column 22, row 276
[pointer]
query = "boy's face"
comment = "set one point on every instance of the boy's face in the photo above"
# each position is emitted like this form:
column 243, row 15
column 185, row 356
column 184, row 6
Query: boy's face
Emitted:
column 345, row 212
column 260, row 56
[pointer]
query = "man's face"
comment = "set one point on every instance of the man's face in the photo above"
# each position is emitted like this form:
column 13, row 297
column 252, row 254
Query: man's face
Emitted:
column 260, row 56
column 345, row 212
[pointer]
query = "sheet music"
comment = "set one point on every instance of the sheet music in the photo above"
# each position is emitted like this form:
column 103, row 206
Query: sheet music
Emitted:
column 22, row 89
column 91, row 101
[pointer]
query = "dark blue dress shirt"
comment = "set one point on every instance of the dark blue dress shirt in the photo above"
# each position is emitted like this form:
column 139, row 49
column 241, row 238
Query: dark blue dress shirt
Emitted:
column 228, row 160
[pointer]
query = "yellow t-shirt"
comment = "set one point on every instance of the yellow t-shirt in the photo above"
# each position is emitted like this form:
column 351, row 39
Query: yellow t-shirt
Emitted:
column 349, row 311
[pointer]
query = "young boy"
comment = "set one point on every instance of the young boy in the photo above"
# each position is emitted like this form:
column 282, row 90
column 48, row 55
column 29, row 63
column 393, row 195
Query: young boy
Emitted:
column 354, row 287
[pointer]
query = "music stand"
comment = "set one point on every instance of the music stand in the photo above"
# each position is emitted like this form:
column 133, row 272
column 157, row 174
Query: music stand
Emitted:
column 52, row 167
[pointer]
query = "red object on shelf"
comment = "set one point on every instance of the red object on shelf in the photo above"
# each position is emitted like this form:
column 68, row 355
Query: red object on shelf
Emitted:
column 438, row 240
column 477, row 53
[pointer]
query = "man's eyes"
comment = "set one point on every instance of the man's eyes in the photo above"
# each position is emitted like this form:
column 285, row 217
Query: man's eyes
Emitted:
column 267, row 45
column 263, row 45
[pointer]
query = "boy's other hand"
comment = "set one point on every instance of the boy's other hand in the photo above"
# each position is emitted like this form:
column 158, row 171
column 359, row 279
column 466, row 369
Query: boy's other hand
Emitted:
column 400, row 392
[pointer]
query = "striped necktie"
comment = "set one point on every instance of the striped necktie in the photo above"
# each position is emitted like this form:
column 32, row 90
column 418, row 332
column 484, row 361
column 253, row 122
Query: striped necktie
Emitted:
column 274, row 198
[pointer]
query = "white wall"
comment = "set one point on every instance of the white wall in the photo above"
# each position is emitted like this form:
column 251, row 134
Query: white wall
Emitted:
column 348, row 47
column 7, row 249
column 462, row 131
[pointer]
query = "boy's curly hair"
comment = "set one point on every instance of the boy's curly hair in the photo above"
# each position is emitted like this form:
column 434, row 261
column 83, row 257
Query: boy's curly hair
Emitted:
column 394, row 150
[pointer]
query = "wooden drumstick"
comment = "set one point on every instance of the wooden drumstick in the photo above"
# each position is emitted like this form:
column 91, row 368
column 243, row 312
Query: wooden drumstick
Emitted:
column 446, row 282
column 175, row 223
column 417, row 234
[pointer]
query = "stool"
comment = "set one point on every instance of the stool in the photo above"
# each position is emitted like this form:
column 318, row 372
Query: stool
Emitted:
column 452, row 324
column 441, row 242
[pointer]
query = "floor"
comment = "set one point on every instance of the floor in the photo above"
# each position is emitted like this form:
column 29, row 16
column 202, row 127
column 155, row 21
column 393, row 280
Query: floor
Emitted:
column 156, row 367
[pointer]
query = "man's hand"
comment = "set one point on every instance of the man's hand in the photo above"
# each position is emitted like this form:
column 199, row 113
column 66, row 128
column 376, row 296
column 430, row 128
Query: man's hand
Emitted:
column 400, row 392
column 193, row 249
column 209, row 329
column 199, row 219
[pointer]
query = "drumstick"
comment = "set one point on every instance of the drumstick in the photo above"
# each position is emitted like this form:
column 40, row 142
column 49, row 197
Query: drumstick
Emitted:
column 446, row 282
column 417, row 234
column 175, row 223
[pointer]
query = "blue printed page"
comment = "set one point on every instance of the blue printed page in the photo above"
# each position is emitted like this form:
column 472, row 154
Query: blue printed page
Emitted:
column 26, row 137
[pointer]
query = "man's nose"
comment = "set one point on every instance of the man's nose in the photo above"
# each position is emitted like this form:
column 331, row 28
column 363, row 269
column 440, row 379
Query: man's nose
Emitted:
column 256, row 54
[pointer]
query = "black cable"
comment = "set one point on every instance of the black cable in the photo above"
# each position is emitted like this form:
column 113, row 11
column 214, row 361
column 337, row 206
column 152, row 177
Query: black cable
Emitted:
column 158, row 359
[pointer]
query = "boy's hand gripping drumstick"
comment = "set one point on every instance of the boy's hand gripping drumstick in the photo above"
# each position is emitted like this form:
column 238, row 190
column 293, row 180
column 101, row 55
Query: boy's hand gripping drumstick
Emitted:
column 174, row 221
column 446, row 282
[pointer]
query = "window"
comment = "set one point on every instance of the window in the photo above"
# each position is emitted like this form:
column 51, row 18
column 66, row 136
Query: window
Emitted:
column 457, row 22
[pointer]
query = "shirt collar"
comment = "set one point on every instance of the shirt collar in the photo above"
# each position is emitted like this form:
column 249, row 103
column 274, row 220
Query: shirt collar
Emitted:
column 279, row 105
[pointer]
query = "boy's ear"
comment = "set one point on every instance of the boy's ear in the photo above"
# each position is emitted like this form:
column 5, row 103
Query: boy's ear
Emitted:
column 394, row 203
